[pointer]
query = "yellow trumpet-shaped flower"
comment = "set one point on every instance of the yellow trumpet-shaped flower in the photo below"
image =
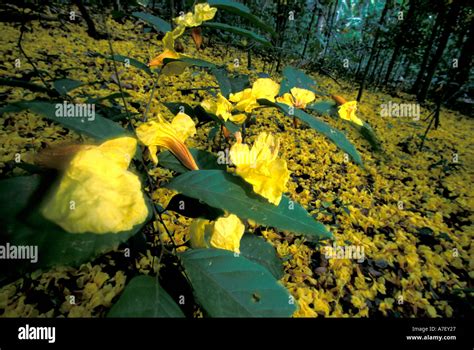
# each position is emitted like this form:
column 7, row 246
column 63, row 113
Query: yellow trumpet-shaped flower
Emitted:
column 347, row 110
column 246, row 100
column 168, row 47
column 202, row 12
column 171, row 136
column 97, row 193
column 223, row 109
column 260, row 166
column 297, row 97
column 224, row 233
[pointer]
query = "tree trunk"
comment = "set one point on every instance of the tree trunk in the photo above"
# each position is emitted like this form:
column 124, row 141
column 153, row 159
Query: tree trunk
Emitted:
column 90, row 23
column 317, row 10
column 373, row 50
column 460, row 75
column 443, row 40
column 426, row 55
column 399, row 42
column 330, row 23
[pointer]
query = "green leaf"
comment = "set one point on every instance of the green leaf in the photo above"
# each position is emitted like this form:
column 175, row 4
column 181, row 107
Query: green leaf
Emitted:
column 323, row 107
column 132, row 61
column 63, row 86
column 190, row 61
column 296, row 78
column 204, row 116
column 239, row 31
column 27, row 85
column 176, row 107
column 334, row 135
column 99, row 128
column 204, row 160
column 226, row 285
column 193, row 208
column 225, row 191
column 223, row 80
column 243, row 11
column 113, row 96
column 23, row 225
column 158, row 23
column 144, row 297
column 229, row 84
column 260, row 251
column 368, row 133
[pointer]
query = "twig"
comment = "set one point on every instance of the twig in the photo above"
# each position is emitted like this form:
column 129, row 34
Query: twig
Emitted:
column 22, row 30
column 115, row 68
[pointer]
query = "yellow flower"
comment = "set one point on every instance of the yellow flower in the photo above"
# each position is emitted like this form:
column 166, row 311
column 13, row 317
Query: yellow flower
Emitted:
column 347, row 112
column 168, row 47
column 223, row 109
column 224, row 233
column 170, row 136
column 202, row 13
column 97, row 193
column 260, row 167
column 297, row 97
column 247, row 99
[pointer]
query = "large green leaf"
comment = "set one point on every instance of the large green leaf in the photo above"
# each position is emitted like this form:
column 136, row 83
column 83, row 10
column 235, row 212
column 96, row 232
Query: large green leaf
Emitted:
column 99, row 128
column 204, row 160
column 193, row 208
column 132, row 61
column 160, row 24
column 23, row 225
column 225, row 191
column 293, row 77
column 323, row 107
column 230, row 84
column 144, row 297
column 177, row 107
column 239, row 31
column 260, row 251
column 334, row 135
column 203, row 115
column 63, row 86
column 226, row 285
column 190, row 61
column 243, row 11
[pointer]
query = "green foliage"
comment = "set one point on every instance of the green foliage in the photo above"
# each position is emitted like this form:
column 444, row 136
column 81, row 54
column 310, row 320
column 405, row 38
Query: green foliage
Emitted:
column 293, row 77
column 63, row 86
column 228, row 285
column 23, row 225
column 260, row 251
column 230, row 84
column 144, row 297
column 243, row 11
column 193, row 208
column 334, row 135
column 99, row 128
column 323, row 107
column 158, row 23
column 239, row 31
column 204, row 160
column 130, row 61
column 221, row 190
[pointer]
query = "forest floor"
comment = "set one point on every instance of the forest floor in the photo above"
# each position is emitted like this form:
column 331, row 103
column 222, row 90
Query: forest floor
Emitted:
column 409, row 209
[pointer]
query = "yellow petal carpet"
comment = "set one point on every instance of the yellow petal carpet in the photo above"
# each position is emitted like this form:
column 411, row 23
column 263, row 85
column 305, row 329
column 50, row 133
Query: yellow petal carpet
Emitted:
column 404, row 274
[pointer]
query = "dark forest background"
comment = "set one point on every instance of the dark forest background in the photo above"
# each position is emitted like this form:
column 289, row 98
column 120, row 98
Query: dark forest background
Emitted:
column 419, row 47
